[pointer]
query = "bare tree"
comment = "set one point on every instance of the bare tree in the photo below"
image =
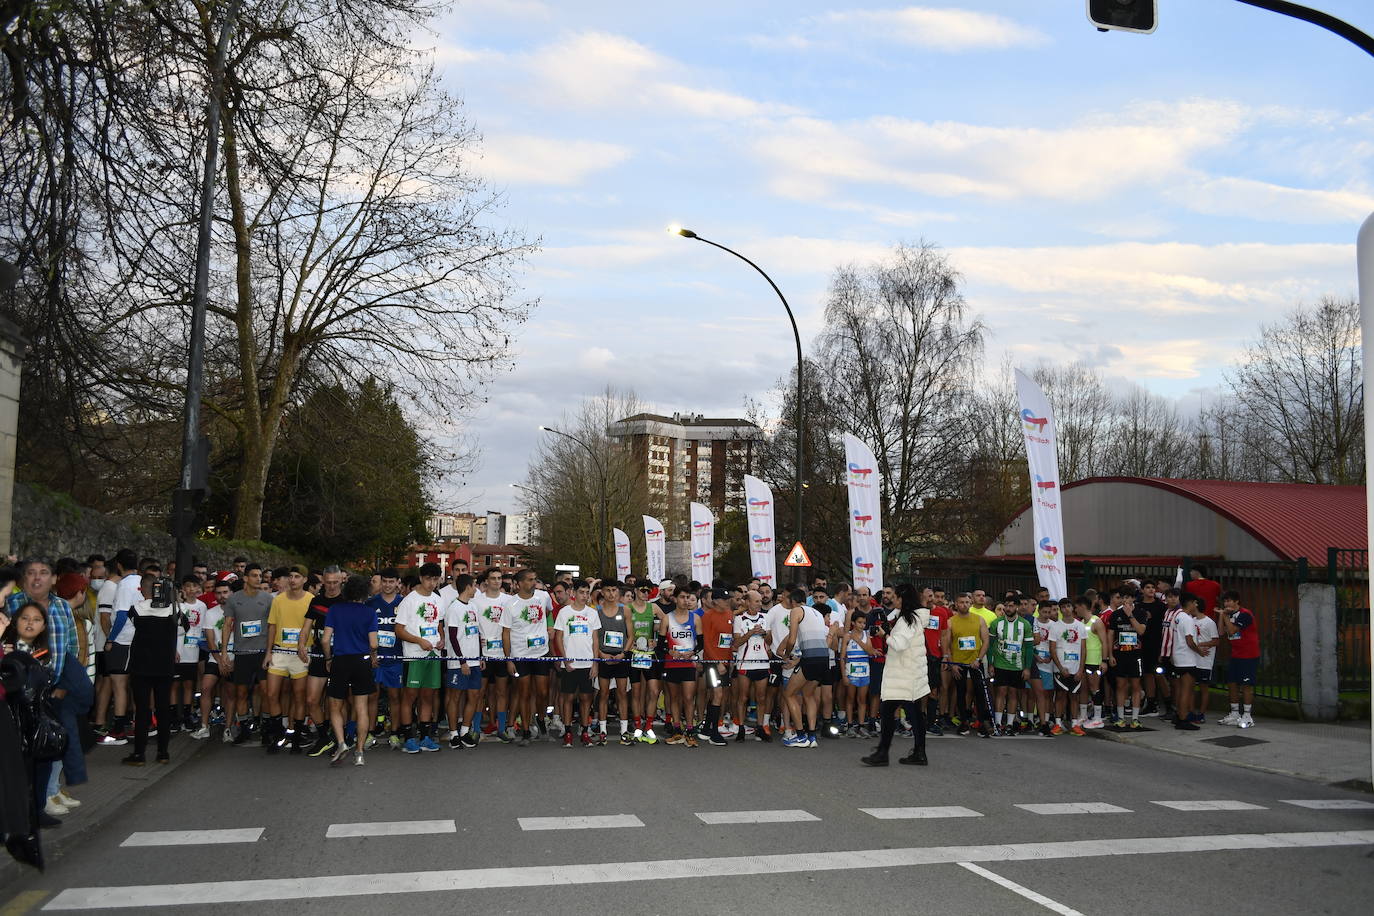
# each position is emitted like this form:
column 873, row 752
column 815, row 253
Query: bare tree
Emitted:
column 1083, row 412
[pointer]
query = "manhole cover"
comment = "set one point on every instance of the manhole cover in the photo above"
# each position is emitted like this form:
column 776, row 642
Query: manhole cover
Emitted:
column 1234, row 741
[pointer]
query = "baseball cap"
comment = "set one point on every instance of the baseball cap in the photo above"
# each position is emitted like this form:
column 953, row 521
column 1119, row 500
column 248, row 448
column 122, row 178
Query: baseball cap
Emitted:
column 299, row 568
column 718, row 593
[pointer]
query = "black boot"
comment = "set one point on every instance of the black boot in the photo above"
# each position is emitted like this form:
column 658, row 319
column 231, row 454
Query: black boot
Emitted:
column 876, row 759
column 916, row 758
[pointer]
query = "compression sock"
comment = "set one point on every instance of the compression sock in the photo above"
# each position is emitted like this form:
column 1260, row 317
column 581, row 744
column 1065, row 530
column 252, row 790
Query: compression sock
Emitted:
column 501, row 722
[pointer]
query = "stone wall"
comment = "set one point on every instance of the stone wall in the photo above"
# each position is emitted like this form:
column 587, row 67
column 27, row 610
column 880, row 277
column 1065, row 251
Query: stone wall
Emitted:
column 51, row 525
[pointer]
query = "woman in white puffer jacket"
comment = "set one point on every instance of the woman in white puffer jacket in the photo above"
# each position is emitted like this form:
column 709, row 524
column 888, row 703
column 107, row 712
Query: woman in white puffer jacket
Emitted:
column 904, row 677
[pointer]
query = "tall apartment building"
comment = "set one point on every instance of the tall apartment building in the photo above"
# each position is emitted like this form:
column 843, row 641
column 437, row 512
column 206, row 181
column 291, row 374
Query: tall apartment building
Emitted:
column 690, row 458
column 451, row 526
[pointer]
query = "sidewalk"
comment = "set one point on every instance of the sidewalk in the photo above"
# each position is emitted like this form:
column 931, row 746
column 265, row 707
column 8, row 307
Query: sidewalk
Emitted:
column 111, row 787
column 1336, row 754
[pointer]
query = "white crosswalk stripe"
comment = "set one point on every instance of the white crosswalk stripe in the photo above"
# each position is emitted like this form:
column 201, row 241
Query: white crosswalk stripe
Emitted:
column 390, row 828
column 893, row 814
column 586, row 822
column 755, row 817
column 194, row 837
column 1217, row 805
column 1075, row 808
column 1330, row 804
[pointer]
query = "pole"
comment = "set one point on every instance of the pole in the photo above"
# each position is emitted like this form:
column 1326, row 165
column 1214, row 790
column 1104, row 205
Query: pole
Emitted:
column 1364, row 261
column 183, row 513
column 601, row 473
column 1317, row 17
column 796, row 337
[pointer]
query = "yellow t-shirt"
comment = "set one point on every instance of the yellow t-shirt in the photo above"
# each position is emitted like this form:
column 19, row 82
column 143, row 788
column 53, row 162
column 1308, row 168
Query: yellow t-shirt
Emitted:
column 988, row 615
column 289, row 617
column 965, row 638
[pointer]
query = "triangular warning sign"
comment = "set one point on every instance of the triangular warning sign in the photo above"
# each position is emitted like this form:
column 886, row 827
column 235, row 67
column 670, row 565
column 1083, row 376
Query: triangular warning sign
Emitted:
column 797, row 556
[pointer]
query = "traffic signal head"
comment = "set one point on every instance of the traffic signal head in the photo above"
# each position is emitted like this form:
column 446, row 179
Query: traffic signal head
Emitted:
column 1124, row 15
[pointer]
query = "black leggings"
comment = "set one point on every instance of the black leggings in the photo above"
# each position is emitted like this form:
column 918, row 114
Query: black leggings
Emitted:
column 887, row 715
column 152, row 694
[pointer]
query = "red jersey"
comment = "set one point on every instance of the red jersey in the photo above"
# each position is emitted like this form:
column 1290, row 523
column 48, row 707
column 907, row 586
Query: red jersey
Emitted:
column 1245, row 641
column 1207, row 590
column 938, row 623
column 718, row 631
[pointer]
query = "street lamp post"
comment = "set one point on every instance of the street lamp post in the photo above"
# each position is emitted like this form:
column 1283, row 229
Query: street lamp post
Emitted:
column 601, row 473
column 796, row 336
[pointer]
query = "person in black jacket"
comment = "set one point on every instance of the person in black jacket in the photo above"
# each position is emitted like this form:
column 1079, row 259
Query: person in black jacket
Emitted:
column 152, row 662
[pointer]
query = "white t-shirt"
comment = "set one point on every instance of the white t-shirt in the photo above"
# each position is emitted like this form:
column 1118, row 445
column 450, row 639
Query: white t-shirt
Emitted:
column 577, row 628
column 1046, row 631
column 1206, row 630
column 128, row 594
column 104, row 602
column 528, row 622
column 778, row 623
column 751, row 654
column 422, row 617
column 188, row 643
column 1068, row 642
column 1183, row 626
column 489, row 613
column 463, row 618
column 212, row 621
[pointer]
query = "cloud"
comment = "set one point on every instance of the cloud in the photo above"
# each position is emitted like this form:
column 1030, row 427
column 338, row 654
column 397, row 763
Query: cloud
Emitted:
column 935, row 28
column 1262, row 200
column 530, row 159
column 1084, row 161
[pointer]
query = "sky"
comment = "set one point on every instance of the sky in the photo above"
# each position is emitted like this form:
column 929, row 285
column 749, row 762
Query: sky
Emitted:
column 1143, row 203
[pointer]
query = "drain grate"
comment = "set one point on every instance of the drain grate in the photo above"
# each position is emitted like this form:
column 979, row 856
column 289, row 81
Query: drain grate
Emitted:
column 1234, row 741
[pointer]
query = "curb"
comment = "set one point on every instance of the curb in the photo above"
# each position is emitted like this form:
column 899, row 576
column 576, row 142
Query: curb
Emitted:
column 56, row 842
column 1124, row 739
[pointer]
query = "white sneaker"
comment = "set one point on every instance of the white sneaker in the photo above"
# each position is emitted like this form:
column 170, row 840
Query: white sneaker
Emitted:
column 66, row 800
column 201, row 733
column 228, row 736
column 556, row 728
column 1246, row 721
column 1230, row 719
column 55, row 808
column 1093, row 723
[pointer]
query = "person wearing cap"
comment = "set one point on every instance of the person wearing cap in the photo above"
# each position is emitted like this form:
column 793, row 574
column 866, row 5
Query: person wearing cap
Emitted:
column 718, row 645
column 287, row 660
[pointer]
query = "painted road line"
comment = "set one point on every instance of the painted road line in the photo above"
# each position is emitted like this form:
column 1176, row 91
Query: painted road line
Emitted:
column 543, row 876
column 1026, row 892
column 1218, row 805
column 194, row 837
column 22, row 902
column 1330, row 804
column 1075, row 808
column 390, row 828
column 896, row 814
column 784, row 816
column 590, row 822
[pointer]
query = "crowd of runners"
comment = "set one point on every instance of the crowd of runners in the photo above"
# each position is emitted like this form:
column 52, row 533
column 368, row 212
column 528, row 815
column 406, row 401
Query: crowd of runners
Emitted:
column 331, row 664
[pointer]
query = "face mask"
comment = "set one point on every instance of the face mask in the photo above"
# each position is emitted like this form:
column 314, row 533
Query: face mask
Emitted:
column 96, row 583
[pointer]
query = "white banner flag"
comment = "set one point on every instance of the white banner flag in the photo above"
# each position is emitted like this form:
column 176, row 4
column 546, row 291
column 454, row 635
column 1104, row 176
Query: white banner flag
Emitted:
column 703, row 543
column 622, row 553
column 758, row 507
column 1037, row 423
column 653, row 548
column 865, row 517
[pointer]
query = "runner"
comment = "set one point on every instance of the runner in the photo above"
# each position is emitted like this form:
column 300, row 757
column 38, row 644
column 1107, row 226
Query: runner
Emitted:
column 809, row 634
column 612, row 657
column 1068, row 637
column 287, row 662
column 526, row 632
column 1042, row 679
column 390, row 670
column 491, row 607
column 1183, row 660
column 1094, row 640
column 778, row 623
column 646, row 670
column 113, row 682
column 935, row 657
column 245, row 625
column 857, row 665
column 679, row 667
column 1013, row 654
column 1204, row 645
column 187, row 671
column 464, row 674
column 1152, row 648
column 1127, row 629
column 349, row 647
column 128, row 592
column 1238, row 626
column 751, row 662
column 574, row 642
column 211, row 635
column 317, row 675
column 420, row 630
column 718, row 644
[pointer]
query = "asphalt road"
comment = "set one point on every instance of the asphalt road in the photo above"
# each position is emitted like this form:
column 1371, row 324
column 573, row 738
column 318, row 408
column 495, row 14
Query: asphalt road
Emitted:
column 1276, row 857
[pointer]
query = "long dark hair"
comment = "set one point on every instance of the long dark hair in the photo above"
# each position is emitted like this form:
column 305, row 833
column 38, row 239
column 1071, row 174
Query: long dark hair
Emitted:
column 11, row 634
column 910, row 599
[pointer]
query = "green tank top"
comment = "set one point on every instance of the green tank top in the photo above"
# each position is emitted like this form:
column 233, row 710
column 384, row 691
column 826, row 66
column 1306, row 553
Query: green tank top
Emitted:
column 1092, row 646
column 643, row 623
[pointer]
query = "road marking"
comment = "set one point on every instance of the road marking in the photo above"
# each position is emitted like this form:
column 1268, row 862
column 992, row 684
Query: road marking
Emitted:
column 784, row 816
column 1219, row 805
column 22, row 902
column 893, row 814
column 390, row 828
column 591, row 822
column 1075, row 808
column 1026, row 892
column 541, row 876
column 194, row 837
column 1330, row 804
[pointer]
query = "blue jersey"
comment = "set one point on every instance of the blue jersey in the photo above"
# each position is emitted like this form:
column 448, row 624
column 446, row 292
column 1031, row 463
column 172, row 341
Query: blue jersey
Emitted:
column 388, row 649
column 856, row 664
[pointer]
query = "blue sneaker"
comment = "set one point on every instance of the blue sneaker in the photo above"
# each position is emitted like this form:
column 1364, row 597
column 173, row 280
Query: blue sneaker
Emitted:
column 796, row 741
column 428, row 744
column 811, row 740
column 411, row 746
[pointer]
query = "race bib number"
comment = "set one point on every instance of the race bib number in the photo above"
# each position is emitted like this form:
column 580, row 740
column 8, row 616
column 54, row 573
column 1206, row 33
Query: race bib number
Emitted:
column 429, row 633
column 493, row 645
column 188, row 640
column 386, row 639
column 968, row 643
column 470, row 630
column 933, row 623
column 642, row 660
column 579, row 629
column 724, row 641
column 613, row 639
column 1070, row 656
column 1129, row 639
column 536, row 642
column 858, row 669
column 1042, row 653
column 250, row 628
column 1234, row 636
column 290, row 638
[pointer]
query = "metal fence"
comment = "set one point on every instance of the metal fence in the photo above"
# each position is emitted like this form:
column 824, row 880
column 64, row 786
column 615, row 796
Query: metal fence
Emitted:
column 1347, row 570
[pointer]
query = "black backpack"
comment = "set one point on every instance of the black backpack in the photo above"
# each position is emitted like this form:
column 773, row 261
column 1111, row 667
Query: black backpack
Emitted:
column 28, row 684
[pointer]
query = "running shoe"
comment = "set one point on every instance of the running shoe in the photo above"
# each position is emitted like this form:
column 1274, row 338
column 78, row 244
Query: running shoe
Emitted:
column 455, row 743
column 586, row 738
column 1119, row 723
column 740, row 737
column 470, row 739
column 1045, row 731
column 1077, row 731
column 524, row 739
column 1246, row 721
column 395, row 741
column 567, row 739
column 227, row 736
column 764, row 733
column 962, row 730
column 322, row 746
column 507, row 736
column 556, row 727
column 1135, row 725
column 625, row 738
column 1230, row 719
column 796, row 741
column 114, row 739
column 935, row 729
column 676, row 738
column 1056, row 729
column 600, row 739
column 811, row 740
column 411, row 746
column 691, row 740
column 1197, row 717
column 428, row 744
column 337, row 757
column 1094, row 723
column 358, row 758
column 201, row 733
column 1184, row 725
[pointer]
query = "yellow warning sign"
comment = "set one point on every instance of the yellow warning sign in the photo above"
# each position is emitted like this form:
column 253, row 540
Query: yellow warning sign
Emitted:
column 797, row 556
